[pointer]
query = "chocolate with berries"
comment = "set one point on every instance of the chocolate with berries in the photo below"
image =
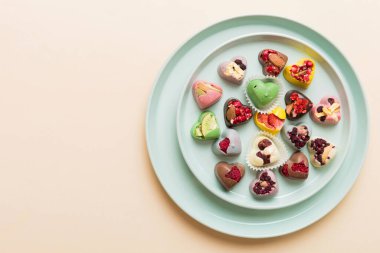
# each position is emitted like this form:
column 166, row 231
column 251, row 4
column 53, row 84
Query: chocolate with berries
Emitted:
column 229, row 174
column 265, row 185
column 300, row 74
column 235, row 113
column 296, row 167
column 297, row 104
column 272, row 61
column 297, row 135
column 321, row 151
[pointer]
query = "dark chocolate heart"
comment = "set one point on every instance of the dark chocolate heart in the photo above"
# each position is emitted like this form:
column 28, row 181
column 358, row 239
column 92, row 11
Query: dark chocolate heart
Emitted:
column 265, row 184
column 229, row 174
column 297, row 104
column 235, row 113
column 297, row 167
column 272, row 61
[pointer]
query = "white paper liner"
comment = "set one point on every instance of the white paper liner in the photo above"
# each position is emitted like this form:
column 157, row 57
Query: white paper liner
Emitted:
column 276, row 102
column 281, row 149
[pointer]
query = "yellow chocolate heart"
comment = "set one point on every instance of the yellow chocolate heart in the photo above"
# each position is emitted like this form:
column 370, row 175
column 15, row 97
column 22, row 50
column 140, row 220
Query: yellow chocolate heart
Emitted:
column 279, row 113
column 300, row 74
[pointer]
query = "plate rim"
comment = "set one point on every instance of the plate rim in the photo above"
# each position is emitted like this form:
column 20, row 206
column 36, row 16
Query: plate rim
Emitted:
column 149, row 144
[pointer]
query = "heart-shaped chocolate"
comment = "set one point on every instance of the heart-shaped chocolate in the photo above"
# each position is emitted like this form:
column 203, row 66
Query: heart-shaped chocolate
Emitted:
column 233, row 70
column 297, row 167
column 272, row 61
column 297, row 104
column 228, row 144
column 206, row 94
column 321, row 151
column 265, row 185
column 235, row 113
column 300, row 74
column 271, row 122
column 206, row 128
column 264, row 152
column 297, row 136
column 327, row 112
column 229, row 174
column 262, row 92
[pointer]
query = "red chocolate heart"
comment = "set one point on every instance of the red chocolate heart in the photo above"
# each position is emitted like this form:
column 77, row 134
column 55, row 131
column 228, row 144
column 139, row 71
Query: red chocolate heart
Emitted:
column 229, row 174
column 235, row 113
column 297, row 167
column 273, row 61
column 297, row 104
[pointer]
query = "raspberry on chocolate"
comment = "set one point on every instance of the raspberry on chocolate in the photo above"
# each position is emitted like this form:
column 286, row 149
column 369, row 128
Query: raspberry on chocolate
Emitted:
column 234, row 174
column 317, row 147
column 301, row 167
column 235, row 113
column 298, row 135
column 272, row 61
column 297, row 104
column 284, row 170
column 296, row 167
column 224, row 145
column 264, row 185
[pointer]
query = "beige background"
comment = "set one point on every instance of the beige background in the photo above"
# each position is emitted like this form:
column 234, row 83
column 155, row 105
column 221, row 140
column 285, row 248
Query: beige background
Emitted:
column 75, row 76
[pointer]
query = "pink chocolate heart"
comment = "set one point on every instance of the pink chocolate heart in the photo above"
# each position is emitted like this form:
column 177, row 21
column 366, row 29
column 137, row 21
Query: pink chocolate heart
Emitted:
column 327, row 112
column 265, row 185
column 206, row 93
column 233, row 70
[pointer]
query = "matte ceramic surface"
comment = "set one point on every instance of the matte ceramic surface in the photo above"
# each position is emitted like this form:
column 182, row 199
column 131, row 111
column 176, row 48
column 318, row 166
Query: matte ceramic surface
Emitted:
column 173, row 172
column 199, row 156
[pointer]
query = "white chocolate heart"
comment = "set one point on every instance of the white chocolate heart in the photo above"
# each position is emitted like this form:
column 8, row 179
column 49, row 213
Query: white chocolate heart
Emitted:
column 264, row 152
column 321, row 151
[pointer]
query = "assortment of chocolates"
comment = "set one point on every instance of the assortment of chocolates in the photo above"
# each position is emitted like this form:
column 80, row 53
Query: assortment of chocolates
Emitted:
column 267, row 152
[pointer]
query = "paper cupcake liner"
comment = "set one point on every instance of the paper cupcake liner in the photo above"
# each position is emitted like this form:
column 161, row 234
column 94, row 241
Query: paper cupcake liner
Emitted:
column 281, row 149
column 276, row 102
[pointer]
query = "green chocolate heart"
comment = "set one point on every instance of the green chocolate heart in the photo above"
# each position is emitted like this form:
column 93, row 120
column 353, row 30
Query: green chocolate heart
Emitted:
column 206, row 128
column 262, row 92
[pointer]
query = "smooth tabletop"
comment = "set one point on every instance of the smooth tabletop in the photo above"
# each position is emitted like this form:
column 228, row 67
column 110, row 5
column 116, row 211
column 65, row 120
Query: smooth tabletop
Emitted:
column 75, row 78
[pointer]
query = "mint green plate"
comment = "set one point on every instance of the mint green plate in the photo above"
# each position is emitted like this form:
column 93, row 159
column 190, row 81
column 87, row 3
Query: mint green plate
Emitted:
column 198, row 155
column 198, row 201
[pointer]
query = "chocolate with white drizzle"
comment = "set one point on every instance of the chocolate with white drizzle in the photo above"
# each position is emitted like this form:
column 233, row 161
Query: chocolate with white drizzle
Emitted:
column 321, row 151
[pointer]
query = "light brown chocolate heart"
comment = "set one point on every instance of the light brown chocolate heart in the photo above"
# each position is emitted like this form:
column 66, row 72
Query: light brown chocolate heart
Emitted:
column 229, row 174
column 297, row 167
